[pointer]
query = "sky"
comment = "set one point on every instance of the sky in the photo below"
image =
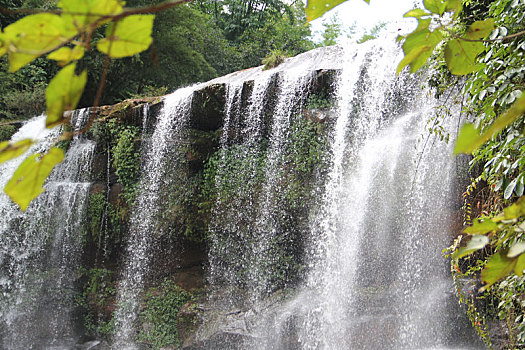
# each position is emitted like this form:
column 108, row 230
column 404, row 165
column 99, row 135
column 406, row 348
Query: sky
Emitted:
column 366, row 16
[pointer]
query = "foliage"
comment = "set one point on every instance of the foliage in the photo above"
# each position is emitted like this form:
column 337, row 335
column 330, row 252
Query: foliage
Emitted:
column 236, row 183
column 318, row 101
column 22, row 94
column 96, row 298
column 160, row 313
column 96, row 208
column 27, row 181
column 318, row 8
column 372, row 34
column 274, row 59
column 65, row 36
column 192, row 43
column 19, row 104
column 6, row 131
column 126, row 158
column 332, row 30
column 236, row 17
column 305, row 160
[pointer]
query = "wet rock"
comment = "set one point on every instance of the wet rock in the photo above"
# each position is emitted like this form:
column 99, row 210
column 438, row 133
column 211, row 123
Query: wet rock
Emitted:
column 316, row 115
column 207, row 107
column 147, row 327
column 99, row 166
column 211, row 324
column 98, row 188
column 114, row 193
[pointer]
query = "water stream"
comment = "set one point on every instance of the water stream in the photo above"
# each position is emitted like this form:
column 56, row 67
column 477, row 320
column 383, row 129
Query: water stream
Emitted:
column 40, row 249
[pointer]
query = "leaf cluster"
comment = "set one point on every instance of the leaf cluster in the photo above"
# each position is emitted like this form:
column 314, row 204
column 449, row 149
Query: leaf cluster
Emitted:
column 65, row 36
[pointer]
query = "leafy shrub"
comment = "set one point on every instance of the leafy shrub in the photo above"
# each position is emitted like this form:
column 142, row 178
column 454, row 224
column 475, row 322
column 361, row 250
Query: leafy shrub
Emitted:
column 160, row 314
column 274, row 59
column 6, row 131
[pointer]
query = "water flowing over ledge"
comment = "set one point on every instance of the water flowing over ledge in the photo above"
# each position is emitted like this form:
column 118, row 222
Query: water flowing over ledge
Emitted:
column 300, row 193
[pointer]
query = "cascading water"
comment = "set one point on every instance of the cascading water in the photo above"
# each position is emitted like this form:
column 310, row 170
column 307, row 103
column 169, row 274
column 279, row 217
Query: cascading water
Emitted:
column 142, row 239
column 375, row 276
column 40, row 249
column 251, row 232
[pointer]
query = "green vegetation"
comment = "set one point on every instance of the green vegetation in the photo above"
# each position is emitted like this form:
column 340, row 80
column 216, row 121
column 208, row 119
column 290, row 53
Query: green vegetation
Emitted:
column 274, row 59
column 372, row 33
column 97, row 299
column 332, row 30
column 160, row 315
column 96, row 208
column 234, row 181
column 126, row 158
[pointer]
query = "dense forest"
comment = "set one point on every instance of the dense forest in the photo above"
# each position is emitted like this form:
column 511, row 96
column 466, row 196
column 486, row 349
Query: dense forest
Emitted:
column 192, row 43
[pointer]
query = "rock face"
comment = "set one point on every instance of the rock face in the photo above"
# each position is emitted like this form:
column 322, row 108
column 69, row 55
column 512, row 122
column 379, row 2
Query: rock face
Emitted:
column 216, row 324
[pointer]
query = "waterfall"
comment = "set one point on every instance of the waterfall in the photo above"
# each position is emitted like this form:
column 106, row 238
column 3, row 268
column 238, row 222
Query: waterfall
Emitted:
column 323, row 213
column 143, row 236
column 40, row 249
column 373, row 275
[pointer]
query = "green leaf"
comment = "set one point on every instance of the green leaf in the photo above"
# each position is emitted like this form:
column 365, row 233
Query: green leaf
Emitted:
column 498, row 266
column 515, row 210
column 418, row 47
column 27, row 181
column 469, row 138
column 510, row 189
column 435, row 6
column 79, row 14
column 520, row 265
column 10, row 150
column 417, row 13
column 453, row 5
column 33, row 36
column 519, row 188
column 422, row 24
column 481, row 228
column 516, row 249
column 65, row 55
column 460, row 56
column 128, row 36
column 480, row 29
column 317, row 8
column 63, row 93
column 477, row 242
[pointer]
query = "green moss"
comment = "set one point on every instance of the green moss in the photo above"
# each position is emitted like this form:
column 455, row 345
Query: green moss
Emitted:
column 96, row 299
column 96, row 207
column 160, row 313
column 126, row 160
column 319, row 101
column 120, row 140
